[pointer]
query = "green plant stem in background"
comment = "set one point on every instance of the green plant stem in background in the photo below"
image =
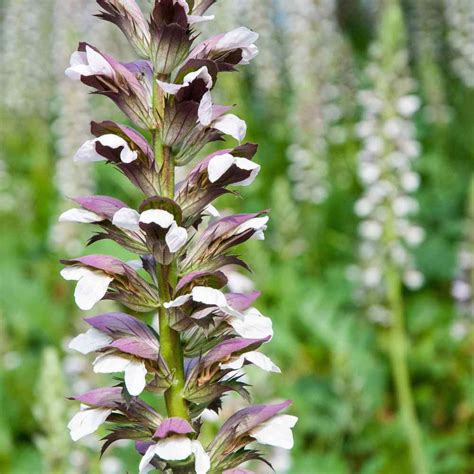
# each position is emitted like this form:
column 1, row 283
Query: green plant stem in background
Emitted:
column 401, row 375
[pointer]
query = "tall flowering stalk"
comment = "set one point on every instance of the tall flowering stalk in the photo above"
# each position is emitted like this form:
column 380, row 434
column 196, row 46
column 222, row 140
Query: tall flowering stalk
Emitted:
column 385, row 169
column 321, row 93
column 205, row 335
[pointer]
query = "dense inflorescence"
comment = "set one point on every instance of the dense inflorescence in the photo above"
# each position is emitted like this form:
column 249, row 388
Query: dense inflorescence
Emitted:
column 328, row 79
column 205, row 334
column 386, row 171
column 463, row 285
column 460, row 20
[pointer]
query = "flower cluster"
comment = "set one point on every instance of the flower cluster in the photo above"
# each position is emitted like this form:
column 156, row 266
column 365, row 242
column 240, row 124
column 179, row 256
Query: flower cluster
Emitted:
column 205, row 334
column 385, row 169
column 463, row 286
column 327, row 79
column 460, row 20
column 23, row 72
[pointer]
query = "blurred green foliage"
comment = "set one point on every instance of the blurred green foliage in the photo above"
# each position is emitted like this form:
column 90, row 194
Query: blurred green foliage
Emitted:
column 333, row 359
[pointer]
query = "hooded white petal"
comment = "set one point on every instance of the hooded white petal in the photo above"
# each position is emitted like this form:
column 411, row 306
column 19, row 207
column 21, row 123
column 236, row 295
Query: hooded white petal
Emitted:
column 74, row 272
column 78, row 64
column 87, row 421
column 127, row 218
column 90, row 341
column 170, row 88
column 157, row 216
column 205, row 109
column 210, row 210
column 261, row 361
column 80, row 215
column 202, row 462
column 238, row 38
column 145, row 465
column 256, row 358
column 209, row 296
column 112, row 141
column 97, row 63
column 248, row 54
column 218, row 166
column 91, row 288
column 127, row 155
column 234, row 364
column 174, row 448
column 201, row 73
column 232, row 125
column 276, row 432
column 259, row 224
column 109, row 363
column 253, row 325
column 179, row 301
column 135, row 377
column 176, row 237
column 248, row 165
column 88, row 153
column 192, row 19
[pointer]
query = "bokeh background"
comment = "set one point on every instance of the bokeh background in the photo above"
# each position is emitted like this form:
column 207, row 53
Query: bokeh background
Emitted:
column 364, row 112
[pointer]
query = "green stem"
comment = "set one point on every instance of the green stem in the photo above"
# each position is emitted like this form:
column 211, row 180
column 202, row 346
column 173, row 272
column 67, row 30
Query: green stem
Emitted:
column 171, row 348
column 398, row 358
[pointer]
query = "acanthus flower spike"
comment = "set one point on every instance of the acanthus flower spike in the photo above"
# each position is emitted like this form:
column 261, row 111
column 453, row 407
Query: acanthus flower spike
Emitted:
column 208, row 333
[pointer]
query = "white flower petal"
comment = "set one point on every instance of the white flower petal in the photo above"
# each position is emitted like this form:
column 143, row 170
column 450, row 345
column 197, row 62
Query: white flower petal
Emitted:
column 234, row 364
column 261, row 361
column 80, row 215
column 77, row 62
column 87, row 421
column 276, row 432
column 248, row 54
column 87, row 152
column 202, row 462
column 192, row 19
column 259, row 224
column 145, row 465
column 97, row 63
column 112, row 141
column 174, row 448
column 74, row 272
column 90, row 341
column 127, row 155
column 109, row 363
column 210, row 210
column 170, row 88
column 179, row 301
column 205, row 109
column 127, row 218
column 201, row 73
column 209, row 296
column 91, row 288
column 248, row 165
column 232, row 125
column 218, row 166
column 135, row 377
column 238, row 38
column 157, row 216
column 176, row 237
column 253, row 325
